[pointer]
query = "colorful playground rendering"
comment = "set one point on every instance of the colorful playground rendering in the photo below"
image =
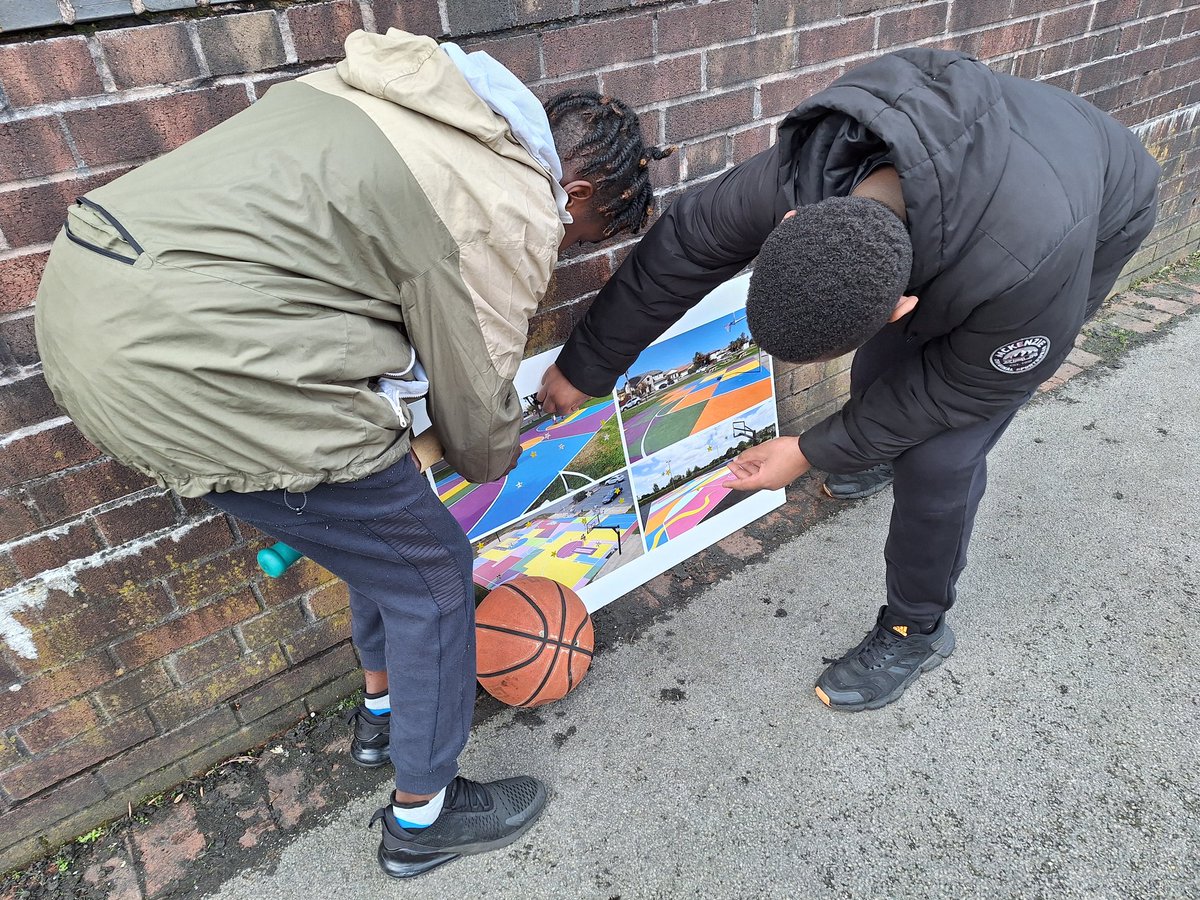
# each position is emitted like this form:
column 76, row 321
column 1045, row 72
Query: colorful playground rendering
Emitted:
column 547, row 451
column 688, row 505
column 693, row 405
column 568, row 547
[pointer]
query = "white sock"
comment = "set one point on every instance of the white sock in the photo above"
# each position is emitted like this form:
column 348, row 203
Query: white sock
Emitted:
column 379, row 706
column 415, row 818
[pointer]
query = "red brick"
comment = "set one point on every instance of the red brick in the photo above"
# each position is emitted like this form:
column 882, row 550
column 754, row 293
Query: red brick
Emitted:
column 416, row 18
column 582, row 48
column 851, row 38
column 42, row 453
column 67, row 627
column 183, row 705
column 517, row 54
column 552, row 328
column 653, row 82
column 547, row 90
column 912, row 25
column 712, row 114
column 296, row 682
column 187, row 629
column 165, row 749
column 56, row 549
column 319, row 29
column 59, row 725
column 149, row 54
column 300, row 578
column 750, row 60
column 274, row 625
column 319, row 636
column 330, row 599
column 157, row 558
column 34, row 214
column 1114, row 12
column 575, row 280
column 16, row 518
column 529, row 12
column 779, row 97
column 692, row 27
column 774, row 15
column 706, row 157
column 76, row 492
column 141, row 129
column 855, row 7
column 972, row 15
column 46, row 71
column 1182, row 51
column 746, row 144
column 25, row 402
column 1069, row 23
column 48, row 689
column 193, row 663
column 134, row 520
column 999, row 41
column 34, row 816
column 31, row 148
column 241, row 43
column 86, row 750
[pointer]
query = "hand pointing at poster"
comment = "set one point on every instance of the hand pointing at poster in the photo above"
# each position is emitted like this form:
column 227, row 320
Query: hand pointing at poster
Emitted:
column 557, row 395
column 774, row 464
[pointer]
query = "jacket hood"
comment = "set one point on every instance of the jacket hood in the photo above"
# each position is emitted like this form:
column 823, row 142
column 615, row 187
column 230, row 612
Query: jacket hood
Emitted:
column 412, row 71
column 938, row 117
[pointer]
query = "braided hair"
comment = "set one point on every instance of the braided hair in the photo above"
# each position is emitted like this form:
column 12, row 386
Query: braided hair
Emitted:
column 603, row 135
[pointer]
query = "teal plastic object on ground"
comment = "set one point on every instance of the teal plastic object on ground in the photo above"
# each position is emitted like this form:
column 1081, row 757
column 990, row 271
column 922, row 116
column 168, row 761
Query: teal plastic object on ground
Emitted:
column 276, row 559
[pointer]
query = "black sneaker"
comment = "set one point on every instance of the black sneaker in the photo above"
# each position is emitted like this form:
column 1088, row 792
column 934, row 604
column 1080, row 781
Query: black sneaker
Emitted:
column 369, row 746
column 857, row 485
column 878, row 670
column 475, row 818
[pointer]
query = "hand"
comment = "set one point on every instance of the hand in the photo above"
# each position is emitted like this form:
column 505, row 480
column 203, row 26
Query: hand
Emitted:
column 771, row 465
column 558, row 396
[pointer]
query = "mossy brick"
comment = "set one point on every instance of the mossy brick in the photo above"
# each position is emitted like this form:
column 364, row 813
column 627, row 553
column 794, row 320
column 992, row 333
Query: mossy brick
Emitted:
column 33, row 816
column 654, row 82
column 8, row 573
column 187, row 629
column 751, row 60
column 691, row 27
column 16, row 516
column 408, row 15
column 137, row 688
column 77, row 491
column 122, row 524
column 806, row 417
column 58, row 726
column 706, row 157
column 318, row 637
column 250, row 42
column 34, row 214
column 520, row 54
column 280, row 690
column 85, row 751
column 714, row 113
column 251, row 735
column 149, row 55
column 220, row 576
column 320, row 699
column 44, row 689
column 56, row 548
column 167, row 749
column 10, row 753
column 274, row 625
column 301, row 577
column 188, row 703
column 47, row 71
column 157, row 558
column 95, row 623
column 330, row 599
column 319, row 29
column 551, row 328
column 33, row 148
column 144, row 128
column 43, row 453
column 574, row 280
column 193, row 663
column 595, row 45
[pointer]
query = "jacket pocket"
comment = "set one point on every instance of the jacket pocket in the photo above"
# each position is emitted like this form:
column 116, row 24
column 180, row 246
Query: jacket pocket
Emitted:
column 91, row 226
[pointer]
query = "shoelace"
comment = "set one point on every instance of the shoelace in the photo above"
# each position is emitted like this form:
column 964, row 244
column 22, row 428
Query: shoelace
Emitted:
column 873, row 650
column 462, row 793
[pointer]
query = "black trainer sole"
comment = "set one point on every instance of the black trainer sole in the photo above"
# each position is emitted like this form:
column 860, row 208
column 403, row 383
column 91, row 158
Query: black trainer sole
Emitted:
column 409, row 864
column 935, row 659
column 369, row 765
column 855, row 495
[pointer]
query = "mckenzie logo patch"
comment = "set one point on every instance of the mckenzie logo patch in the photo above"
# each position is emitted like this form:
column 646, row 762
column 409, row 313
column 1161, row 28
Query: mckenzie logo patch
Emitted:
column 1020, row 356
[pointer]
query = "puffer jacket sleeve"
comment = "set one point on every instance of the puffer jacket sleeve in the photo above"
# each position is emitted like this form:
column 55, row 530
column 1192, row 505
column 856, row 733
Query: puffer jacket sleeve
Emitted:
column 989, row 364
column 705, row 238
column 468, row 319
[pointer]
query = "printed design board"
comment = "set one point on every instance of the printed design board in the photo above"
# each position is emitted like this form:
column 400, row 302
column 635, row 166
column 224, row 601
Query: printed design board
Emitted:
column 632, row 483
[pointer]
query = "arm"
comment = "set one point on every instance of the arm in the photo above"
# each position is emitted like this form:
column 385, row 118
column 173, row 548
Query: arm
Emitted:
column 962, row 378
column 706, row 237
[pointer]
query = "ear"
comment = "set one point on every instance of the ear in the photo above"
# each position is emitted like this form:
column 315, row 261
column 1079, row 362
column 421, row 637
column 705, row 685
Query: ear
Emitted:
column 904, row 306
column 579, row 190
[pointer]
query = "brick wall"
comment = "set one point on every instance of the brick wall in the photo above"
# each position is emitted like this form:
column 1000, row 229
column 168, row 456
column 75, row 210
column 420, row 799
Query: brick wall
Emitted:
column 140, row 644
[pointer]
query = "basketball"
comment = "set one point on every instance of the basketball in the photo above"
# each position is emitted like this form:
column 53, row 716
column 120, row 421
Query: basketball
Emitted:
column 534, row 641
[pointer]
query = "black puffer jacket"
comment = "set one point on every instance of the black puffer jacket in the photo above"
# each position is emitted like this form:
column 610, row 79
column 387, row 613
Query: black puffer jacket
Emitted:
column 1023, row 202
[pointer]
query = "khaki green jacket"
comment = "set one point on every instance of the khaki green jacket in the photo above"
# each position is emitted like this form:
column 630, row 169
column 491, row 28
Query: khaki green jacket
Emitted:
column 223, row 337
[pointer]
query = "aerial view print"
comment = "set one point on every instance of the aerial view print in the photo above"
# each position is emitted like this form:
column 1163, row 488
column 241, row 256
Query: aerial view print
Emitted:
column 684, row 485
column 558, row 457
column 574, row 541
column 684, row 385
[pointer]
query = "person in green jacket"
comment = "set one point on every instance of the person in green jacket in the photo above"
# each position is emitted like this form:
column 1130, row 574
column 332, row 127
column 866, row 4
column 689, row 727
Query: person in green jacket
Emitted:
column 221, row 319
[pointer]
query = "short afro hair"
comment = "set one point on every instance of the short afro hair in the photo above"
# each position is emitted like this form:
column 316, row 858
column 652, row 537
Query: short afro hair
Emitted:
column 828, row 278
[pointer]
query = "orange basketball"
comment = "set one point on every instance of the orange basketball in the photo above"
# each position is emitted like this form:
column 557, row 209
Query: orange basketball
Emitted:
column 534, row 641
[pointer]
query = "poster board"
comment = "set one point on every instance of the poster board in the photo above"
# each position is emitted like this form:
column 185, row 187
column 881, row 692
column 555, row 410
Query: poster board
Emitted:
column 631, row 484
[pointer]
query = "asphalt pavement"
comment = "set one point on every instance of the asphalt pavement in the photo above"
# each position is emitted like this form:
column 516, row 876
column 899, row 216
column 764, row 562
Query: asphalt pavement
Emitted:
column 1056, row 754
